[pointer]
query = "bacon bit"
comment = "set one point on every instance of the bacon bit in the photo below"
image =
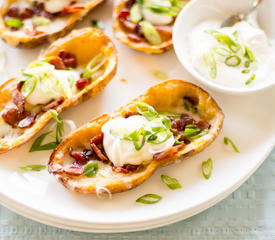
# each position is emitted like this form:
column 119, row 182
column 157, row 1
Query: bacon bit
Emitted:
column 165, row 30
column 53, row 104
column 134, row 37
column 13, row 12
column 81, row 83
column 72, row 9
column 202, row 125
column 12, row 116
column 131, row 167
column 80, row 157
column 175, row 131
column 169, row 153
column 129, row 114
column 27, row 13
column 124, row 13
column 184, row 139
column 119, row 169
column 74, row 170
column 18, row 99
column 19, row 85
column 130, row 26
column 58, row 63
column 33, row 32
column 99, row 153
column 130, row 3
column 68, row 59
column 98, row 138
column 187, row 119
column 27, row 121
column 139, row 31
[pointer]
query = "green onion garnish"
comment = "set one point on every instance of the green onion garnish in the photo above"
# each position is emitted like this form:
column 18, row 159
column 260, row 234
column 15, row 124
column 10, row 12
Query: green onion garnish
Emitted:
column 222, row 51
column 94, row 65
column 34, row 167
column 245, row 71
column 186, row 106
column 14, row 22
column 160, row 9
column 97, row 24
column 135, row 13
column 149, row 198
column 28, row 86
column 190, row 130
column 250, row 79
column 232, row 61
column 150, row 33
column 160, row 74
column 249, row 54
column 202, row 133
column 172, row 183
column 227, row 140
column 210, row 63
column 206, row 168
column 247, row 63
column 146, row 111
column 90, row 169
column 37, row 144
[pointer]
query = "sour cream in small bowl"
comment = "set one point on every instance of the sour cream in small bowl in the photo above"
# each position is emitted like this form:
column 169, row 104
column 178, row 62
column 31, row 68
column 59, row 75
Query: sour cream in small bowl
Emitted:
column 238, row 59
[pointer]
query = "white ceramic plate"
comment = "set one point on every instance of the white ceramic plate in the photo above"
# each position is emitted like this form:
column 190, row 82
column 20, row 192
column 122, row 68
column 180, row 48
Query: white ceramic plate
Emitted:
column 37, row 195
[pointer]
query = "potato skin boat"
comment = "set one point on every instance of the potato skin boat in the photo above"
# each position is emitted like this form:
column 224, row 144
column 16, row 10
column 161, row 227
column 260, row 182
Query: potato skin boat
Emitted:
column 33, row 41
column 95, row 41
column 122, row 36
column 174, row 91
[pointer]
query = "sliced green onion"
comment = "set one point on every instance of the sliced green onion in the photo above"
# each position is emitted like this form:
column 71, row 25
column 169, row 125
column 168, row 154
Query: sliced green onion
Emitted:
column 202, row 133
column 172, row 183
column 227, row 140
column 135, row 13
column 233, row 61
column 177, row 140
column 249, row 54
column 247, row 63
column 206, row 168
column 155, row 141
column 178, row 3
column 28, row 86
column 135, row 136
column 210, row 63
column 186, row 106
column 222, row 51
column 245, row 71
column 166, row 122
column 160, row 9
column 90, row 169
column 149, row 198
column 14, row 22
column 41, row 21
column 160, row 74
column 146, row 110
column 150, row 33
column 190, row 130
column 250, row 79
column 59, row 126
column 94, row 65
column 37, row 144
column 34, row 167
column 97, row 24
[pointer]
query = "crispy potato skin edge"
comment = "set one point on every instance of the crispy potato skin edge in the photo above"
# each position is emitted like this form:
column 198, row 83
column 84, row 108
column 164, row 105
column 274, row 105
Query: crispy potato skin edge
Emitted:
column 87, row 93
column 129, row 181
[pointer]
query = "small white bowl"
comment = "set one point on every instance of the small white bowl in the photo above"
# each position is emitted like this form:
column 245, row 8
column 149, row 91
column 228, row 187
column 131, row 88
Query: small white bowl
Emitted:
column 200, row 10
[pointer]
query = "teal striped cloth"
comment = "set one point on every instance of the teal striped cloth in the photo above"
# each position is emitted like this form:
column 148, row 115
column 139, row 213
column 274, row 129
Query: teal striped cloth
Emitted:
column 247, row 214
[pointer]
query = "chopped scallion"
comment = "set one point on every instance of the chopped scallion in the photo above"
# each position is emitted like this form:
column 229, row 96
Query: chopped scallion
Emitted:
column 206, row 168
column 33, row 167
column 90, row 169
column 250, row 79
column 210, row 63
column 233, row 61
column 149, row 198
column 170, row 182
column 227, row 140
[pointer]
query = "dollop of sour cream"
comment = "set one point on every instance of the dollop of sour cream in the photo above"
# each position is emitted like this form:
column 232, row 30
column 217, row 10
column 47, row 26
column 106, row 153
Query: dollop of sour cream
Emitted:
column 156, row 18
column 51, row 84
column 122, row 152
column 204, row 45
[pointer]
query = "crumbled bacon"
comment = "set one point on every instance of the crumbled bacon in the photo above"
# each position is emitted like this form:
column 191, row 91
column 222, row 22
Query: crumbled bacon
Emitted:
column 58, row 63
column 73, row 170
column 169, row 153
column 12, row 116
column 81, row 83
column 80, row 157
column 27, row 13
column 18, row 99
column 97, row 139
column 28, row 121
column 125, row 169
column 53, row 104
column 129, row 114
column 68, row 59
column 165, row 30
column 134, row 37
column 202, row 125
column 99, row 153
column 13, row 12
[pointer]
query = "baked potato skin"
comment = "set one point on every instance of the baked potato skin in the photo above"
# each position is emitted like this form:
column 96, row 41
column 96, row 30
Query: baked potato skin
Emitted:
column 174, row 91
column 34, row 41
column 122, row 36
column 73, row 43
